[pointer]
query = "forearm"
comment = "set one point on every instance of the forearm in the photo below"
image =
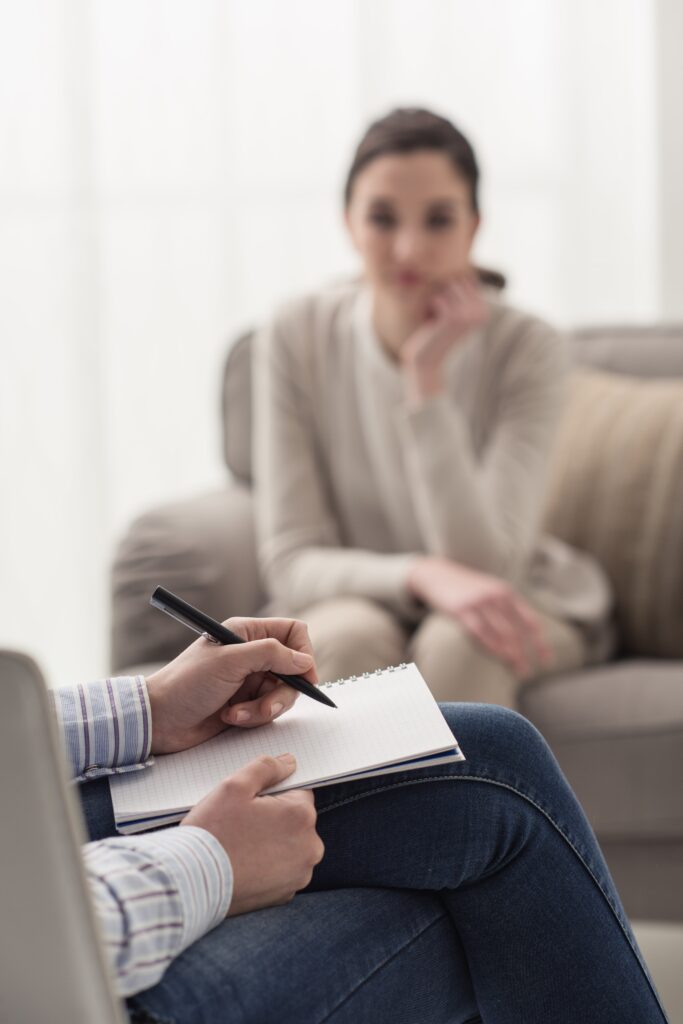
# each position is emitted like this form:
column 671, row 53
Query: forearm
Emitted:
column 303, row 576
column 482, row 506
column 154, row 896
column 105, row 726
column 454, row 504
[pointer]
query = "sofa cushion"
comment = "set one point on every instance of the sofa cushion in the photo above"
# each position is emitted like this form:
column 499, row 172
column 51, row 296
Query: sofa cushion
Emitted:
column 236, row 407
column 640, row 351
column 203, row 549
column 617, row 732
column 616, row 491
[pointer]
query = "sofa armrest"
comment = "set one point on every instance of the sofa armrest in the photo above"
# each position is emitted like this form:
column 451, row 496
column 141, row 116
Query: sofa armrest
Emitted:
column 203, row 549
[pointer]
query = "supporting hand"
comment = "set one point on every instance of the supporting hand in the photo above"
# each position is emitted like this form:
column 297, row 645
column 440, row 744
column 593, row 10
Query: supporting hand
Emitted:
column 271, row 840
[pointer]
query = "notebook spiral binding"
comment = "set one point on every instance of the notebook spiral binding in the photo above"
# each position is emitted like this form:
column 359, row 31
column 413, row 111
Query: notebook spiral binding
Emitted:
column 364, row 675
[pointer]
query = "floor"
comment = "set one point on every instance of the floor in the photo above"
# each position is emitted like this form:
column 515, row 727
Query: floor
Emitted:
column 662, row 947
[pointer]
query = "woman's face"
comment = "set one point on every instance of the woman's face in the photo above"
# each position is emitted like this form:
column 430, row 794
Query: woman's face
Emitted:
column 411, row 220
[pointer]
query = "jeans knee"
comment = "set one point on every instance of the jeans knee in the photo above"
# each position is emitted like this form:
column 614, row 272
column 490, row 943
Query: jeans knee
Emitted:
column 500, row 735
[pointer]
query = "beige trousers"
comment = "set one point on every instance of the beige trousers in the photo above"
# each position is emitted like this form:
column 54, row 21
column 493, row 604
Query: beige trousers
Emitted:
column 352, row 635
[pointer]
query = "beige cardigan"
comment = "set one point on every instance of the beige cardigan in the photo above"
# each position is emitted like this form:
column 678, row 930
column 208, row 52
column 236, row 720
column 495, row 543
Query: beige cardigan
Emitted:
column 352, row 485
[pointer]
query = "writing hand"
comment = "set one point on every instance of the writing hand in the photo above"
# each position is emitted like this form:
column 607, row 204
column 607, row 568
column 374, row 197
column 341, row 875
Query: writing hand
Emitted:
column 210, row 686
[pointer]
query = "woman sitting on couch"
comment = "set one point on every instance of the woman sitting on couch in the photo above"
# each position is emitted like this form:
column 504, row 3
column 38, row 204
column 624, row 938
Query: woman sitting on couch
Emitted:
column 403, row 432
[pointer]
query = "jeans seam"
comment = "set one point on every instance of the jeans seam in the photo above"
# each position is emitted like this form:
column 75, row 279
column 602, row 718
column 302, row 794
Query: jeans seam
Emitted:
column 381, row 966
column 546, row 815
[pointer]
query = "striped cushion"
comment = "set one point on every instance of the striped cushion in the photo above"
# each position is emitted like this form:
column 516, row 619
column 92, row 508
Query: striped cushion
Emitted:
column 616, row 491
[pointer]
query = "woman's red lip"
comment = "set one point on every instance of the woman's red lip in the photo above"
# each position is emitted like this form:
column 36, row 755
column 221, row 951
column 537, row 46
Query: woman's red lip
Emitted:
column 407, row 277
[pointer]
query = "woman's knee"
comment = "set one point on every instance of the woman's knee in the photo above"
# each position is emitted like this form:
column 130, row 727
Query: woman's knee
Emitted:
column 351, row 635
column 456, row 667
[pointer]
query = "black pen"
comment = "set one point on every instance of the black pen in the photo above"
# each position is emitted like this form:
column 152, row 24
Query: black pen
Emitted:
column 220, row 634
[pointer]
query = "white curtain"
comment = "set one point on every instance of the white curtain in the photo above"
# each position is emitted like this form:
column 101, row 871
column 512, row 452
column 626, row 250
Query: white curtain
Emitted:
column 169, row 171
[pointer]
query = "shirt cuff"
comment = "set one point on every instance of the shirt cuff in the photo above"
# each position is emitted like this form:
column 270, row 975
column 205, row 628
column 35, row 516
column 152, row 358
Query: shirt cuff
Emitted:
column 201, row 872
column 105, row 726
column 399, row 595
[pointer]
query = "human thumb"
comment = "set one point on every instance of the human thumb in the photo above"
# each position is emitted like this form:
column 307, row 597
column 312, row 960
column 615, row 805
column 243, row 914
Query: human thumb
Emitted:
column 265, row 772
column 301, row 661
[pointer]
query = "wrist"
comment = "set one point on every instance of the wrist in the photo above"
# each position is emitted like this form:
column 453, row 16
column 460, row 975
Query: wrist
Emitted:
column 421, row 384
column 416, row 575
column 155, row 695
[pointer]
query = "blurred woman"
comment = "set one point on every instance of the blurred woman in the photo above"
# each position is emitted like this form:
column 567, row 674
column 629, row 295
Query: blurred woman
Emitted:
column 404, row 424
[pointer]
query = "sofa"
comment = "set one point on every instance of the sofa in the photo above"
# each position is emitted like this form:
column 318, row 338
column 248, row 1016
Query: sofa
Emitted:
column 615, row 490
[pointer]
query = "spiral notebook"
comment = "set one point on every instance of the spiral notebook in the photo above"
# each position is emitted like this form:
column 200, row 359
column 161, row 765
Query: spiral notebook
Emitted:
column 385, row 721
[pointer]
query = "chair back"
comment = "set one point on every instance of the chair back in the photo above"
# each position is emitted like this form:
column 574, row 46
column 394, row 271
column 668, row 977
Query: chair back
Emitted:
column 52, row 966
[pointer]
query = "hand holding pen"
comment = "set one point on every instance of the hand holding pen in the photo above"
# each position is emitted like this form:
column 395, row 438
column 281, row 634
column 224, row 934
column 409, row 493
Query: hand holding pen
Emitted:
column 210, row 686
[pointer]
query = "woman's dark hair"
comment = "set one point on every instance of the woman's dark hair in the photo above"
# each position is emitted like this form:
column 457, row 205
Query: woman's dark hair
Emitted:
column 407, row 130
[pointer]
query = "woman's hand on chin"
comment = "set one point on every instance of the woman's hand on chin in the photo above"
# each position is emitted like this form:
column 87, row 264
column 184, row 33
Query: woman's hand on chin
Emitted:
column 454, row 312
column 488, row 608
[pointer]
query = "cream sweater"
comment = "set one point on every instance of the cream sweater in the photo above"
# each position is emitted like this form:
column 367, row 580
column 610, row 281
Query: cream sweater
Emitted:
column 352, row 485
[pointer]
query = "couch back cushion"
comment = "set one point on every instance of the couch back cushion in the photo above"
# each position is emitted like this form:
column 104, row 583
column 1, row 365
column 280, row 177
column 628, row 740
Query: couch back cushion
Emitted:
column 616, row 491
column 638, row 351
column 236, row 408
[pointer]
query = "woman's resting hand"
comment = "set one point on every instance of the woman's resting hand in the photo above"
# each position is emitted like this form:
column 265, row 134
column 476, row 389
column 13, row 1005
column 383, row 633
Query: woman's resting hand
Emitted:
column 489, row 609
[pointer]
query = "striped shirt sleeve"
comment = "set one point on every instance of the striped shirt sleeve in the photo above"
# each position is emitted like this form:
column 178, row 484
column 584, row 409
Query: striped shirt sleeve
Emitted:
column 105, row 726
column 154, row 896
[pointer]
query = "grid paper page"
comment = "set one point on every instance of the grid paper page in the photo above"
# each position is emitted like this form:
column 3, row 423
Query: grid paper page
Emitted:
column 380, row 719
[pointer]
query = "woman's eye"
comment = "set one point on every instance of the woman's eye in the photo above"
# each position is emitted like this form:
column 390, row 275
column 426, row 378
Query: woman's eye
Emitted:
column 440, row 221
column 382, row 220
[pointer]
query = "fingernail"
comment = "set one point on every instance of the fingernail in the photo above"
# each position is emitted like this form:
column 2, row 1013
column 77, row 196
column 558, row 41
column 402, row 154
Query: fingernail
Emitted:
column 275, row 709
column 301, row 660
column 242, row 716
column 287, row 758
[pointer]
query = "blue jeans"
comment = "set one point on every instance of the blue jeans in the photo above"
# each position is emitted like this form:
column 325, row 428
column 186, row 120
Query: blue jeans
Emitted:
column 468, row 892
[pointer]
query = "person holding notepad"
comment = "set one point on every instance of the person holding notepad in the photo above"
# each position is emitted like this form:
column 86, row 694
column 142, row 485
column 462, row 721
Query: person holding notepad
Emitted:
column 468, row 891
column 403, row 426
